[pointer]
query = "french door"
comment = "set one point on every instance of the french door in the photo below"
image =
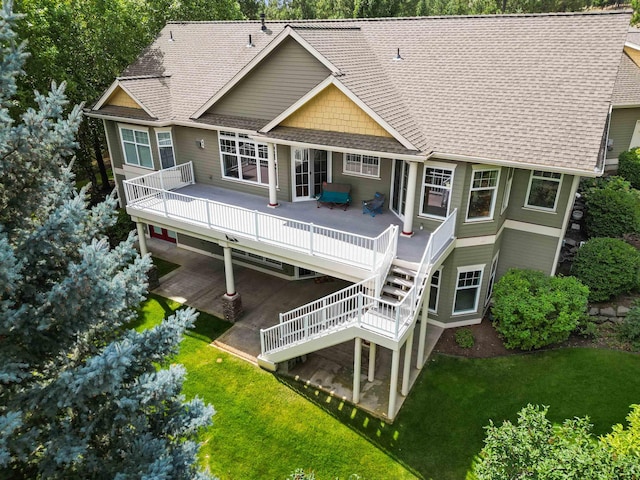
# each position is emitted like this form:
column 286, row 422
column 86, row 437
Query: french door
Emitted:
column 399, row 187
column 309, row 168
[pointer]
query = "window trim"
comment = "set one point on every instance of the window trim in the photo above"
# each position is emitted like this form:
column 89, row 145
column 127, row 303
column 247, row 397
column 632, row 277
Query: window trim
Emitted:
column 450, row 168
column 506, row 195
column 360, row 173
column 135, row 128
column 483, row 168
column 466, row 269
column 555, row 201
column 173, row 148
column 492, row 278
column 438, row 287
column 236, row 138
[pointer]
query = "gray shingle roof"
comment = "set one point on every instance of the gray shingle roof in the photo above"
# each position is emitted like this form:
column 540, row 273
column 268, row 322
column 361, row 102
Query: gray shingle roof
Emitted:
column 521, row 88
column 627, row 88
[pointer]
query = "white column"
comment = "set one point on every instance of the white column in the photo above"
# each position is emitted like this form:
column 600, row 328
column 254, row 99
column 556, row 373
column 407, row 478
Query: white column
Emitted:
column 357, row 365
column 409, row 208
column 372, row 362
column 142, row 240
column 408, row 347
column 271, row 158
column 228, row 271
column 422, row 338
column 393, row 387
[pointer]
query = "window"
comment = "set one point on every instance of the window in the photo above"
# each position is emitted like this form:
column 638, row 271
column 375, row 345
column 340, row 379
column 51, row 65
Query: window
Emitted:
column 256, row 258
column 243, row 159
column 436, row 191
column 482, row 195
column 165, row 149
column 543, row 190
column 468, row 289
column 492, row 278
column 507, row 190
column 137, row 150
column 434, row 293
column 365, row 165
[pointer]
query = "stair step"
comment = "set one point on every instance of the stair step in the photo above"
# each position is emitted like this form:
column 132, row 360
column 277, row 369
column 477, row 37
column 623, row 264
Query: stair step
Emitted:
column 393, row 292
column 399, row 281
column 405, row 272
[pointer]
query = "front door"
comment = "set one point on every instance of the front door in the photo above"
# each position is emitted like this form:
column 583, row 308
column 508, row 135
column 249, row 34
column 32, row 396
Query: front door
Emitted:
column 309, row 169
column 399, row 187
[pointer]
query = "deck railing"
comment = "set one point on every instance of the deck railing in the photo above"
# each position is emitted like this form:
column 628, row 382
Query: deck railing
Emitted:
column 152, row 193
column 360, row 304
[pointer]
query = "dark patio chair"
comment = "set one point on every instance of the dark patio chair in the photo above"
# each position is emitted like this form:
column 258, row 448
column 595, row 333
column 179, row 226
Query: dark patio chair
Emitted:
column 374, row 205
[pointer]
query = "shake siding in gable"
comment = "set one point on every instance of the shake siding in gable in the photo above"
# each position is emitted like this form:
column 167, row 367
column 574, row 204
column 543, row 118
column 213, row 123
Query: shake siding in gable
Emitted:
column 275, row 84
column 623, row 122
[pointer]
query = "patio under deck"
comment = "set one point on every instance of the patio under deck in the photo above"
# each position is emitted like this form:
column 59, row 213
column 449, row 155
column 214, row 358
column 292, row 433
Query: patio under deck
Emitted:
column 352, row 220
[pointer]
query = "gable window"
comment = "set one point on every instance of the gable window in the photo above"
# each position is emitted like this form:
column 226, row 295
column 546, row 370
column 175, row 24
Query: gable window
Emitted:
column 507, row 190
column 543, row 190
column 436, row 191
column 136, row 147
column 165, row 149
column 365, row 165
column 468, row 289
column 434, row 292
column 243, row 158
column 482, row 194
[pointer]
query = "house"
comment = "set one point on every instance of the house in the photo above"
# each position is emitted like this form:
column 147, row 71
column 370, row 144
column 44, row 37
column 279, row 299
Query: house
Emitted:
column 476, row 129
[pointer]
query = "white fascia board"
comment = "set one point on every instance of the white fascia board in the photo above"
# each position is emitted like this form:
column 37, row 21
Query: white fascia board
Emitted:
column 507, row 163
column 340, row 86
column 635, row 46
column 112, row 89
column 281, row 37
column 106, row 95
column 132, row 121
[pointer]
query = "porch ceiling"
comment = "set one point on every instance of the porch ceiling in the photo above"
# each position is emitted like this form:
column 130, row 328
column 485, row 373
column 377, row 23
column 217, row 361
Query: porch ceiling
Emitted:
column 352, row 220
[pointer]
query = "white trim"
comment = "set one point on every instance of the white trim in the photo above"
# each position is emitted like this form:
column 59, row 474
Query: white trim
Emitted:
column 340, row 86
column 632, row 45
column 281, row 37
column 492, row 278
column 436, row 164
column 442, row 166
column 506, row 194
column 360, row 173
column 533, row 228
column 555, row 200
column 237, row 139
column 476, row 241
column 466, row 269
column 565, row 222
column 112, row 89
column 483, row 168
column 135, row 128
column 105, row 96
column 438, row 290
column 173, row 148
column 459, row 323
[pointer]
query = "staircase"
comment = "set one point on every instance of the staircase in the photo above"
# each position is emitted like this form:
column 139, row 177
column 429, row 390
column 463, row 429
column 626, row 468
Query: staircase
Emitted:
column 381, row 309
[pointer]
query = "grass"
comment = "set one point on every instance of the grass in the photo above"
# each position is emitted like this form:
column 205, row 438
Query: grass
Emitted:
column 164, row 266
column 265, row 428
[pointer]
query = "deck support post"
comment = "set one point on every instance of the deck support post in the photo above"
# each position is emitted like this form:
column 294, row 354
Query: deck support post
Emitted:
column 271, row 159
column 393, row 387
column 406, row 371
column 422, row 338
column 409, row 208
column 142, row 239
column 228, row 271
column 232, row 303
column 372, row 362
column 357, row 365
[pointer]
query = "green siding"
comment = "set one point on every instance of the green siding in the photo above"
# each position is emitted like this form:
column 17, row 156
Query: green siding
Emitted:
column 623, row 121
column 280, row 80
column 526, row 250
column 111, row 131
column 363, row 188
column 478, row 228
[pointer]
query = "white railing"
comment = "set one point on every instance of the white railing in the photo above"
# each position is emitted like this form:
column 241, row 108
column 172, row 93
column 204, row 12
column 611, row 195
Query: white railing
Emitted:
column 387, row 257
column 152, row 193
column 359, row 305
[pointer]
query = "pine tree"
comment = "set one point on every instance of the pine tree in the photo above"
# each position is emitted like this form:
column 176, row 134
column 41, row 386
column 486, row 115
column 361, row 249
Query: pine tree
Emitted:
column 81, row 396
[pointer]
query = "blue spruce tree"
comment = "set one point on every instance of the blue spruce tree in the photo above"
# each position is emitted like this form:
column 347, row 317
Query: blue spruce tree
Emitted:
column 81, row 396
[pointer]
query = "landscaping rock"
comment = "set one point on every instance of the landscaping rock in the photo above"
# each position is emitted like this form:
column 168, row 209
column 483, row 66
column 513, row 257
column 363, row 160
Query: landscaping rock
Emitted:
column 622, row 311
column 608, row 312
column 594, row 312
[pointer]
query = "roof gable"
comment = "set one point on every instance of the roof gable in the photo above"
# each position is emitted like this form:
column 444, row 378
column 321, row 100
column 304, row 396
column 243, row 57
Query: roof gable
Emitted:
column 120, row 98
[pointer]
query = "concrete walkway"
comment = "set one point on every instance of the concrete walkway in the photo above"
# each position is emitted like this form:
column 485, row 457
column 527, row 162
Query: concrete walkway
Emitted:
column 200, row 283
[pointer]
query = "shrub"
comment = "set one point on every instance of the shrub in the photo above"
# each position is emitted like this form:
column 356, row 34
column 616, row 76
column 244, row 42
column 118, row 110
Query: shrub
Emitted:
column 613, row 208
column 464, row 338
column 608, row 266
column 119, row 231
column 630, row 327
column 629, row 167
column 533, row 310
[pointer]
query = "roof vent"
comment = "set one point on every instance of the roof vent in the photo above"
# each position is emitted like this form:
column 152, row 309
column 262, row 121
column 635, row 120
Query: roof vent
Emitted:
column 263, row 27
column 398, row 57
column 250, row 44
column 171, row 36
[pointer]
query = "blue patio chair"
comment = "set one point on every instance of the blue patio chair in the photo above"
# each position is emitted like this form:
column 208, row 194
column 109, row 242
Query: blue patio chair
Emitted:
column 374, row 205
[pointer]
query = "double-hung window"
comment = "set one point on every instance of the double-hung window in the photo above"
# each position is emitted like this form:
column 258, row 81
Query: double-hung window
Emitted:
column 482, row 193
column 243, row 158
column 365, row 165
column 165, row 148
column 136, row 147
column 468, row 289
column 436, row 191
column 544, row 188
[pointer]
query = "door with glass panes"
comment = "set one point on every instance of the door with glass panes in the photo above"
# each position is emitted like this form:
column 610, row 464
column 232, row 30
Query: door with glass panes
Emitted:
column 309, row 168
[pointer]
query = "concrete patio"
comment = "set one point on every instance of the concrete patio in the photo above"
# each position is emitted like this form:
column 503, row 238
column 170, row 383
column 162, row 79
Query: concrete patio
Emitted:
column 200, row 283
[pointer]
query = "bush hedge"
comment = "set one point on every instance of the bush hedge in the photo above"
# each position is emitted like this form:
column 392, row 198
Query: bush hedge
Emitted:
column 532, row 310
column 608, row 266
column 629, row 167
column 630, row 327
column 613, row 208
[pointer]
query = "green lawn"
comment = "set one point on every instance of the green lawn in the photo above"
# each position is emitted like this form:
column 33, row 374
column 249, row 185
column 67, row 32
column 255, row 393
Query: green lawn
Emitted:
column 164, row 266
column 264, row 427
